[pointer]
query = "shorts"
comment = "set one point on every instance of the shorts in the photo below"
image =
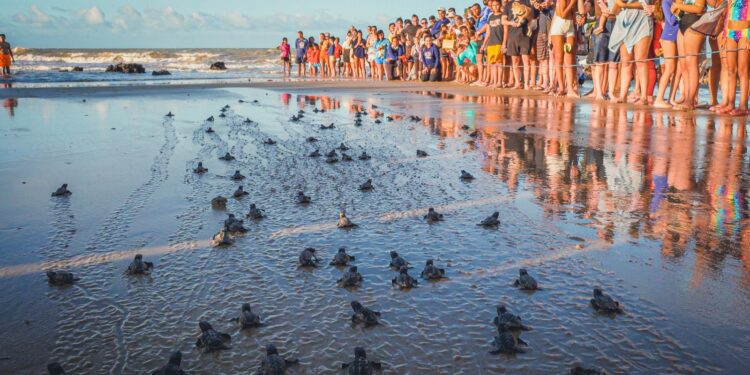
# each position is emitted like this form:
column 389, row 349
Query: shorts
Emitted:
column 562, row 27
column 601, row 47
column 300, row 60
column 519, row 45
column 359, row 53
column 542, row 47
column 5, row 61
column 346, row 56
column 285, row 59
column 495, row 54
column 687, row 20
column 379, row 60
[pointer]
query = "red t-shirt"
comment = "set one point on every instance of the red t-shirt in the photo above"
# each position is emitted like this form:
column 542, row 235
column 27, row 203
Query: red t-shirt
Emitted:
column 313, row 56
column 337, row 51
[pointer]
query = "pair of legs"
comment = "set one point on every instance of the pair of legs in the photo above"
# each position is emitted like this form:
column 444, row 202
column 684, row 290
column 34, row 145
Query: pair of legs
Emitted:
column 301, row 68
column 515, row 61
column 564, row 69
column 688, row 46
column 669, row 49
column 639, row 53
column 736, row 67
column 430, row 74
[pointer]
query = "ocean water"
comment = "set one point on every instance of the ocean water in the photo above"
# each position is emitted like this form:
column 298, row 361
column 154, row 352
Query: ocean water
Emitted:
column 651, row 206
column 53, row 67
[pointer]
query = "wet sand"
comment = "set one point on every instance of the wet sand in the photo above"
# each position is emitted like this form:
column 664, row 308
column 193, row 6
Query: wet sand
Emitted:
column 652, row 206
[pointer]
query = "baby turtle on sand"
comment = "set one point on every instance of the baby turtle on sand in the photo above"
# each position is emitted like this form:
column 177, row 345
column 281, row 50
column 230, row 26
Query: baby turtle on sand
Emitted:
column 219, row 203
column 274, row 364
column 506, row 343
column 358, row 123
column 364, row 315
column 210, row 119
column 389, row 118
column 302, row 198
column 525, row 281
column 364, row 156
column 397, row 261
column 269, row 141
column 295, row 118
column 421, row 154
column 247, row 318
column 255, row 212
column 415, row 118
column 222, row 238
column 314, row 154
column 247, row 121
column 307, row 258
column 331, row 154
column 54, row 368
column 327, row 127
column 604, row 303
column 332, row 159
column 139, row 267
column 173, row 367
column 344, row 221
column 227, row 157
column 578, row 370
column 367, row 186
column 240, row 192
column 341, row 258
column 200, row 169
column 311, row 139
column 343, row 147
column 360, row 365
column 505, row 321
column 222, row 115
column 431, row 272
column 474, row 134
column 466, row 176
column 351, row 278
column 432, row 216
column 209, row 130
column 345, row 157
column 403, row 280
column 61, row 278
column 237, row 176
column 62, row 191
column 234, row 225
column 491, row 221
column 170, row 114
column 210, row 340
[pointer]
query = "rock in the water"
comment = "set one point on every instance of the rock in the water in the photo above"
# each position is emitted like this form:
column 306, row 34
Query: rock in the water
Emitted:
column 219, row 203
column 60, row 278
column 126, row 68
column 77, row 69
column 219, row 65
column 161, row 73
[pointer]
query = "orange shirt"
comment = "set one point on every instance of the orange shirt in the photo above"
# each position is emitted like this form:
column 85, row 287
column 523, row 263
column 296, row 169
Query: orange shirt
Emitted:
column 313, row 56
column 337, row 51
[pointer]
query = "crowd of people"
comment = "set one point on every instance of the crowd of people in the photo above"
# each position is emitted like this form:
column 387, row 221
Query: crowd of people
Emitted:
column 648, row 52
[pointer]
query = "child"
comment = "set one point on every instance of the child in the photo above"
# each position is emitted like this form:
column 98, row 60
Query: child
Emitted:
column 338, row 50
column 6, row 56
column 313, row 57
column 494, row 41
column 286, row 51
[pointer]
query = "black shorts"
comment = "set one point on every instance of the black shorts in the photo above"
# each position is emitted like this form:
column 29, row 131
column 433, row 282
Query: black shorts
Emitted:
column 346, row 55
column 687, row 20
column 285, row 59
column 519, row 45
column 300, row 60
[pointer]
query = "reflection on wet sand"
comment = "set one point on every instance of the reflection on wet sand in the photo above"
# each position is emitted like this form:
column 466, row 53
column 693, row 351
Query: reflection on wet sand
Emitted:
column 671, row 177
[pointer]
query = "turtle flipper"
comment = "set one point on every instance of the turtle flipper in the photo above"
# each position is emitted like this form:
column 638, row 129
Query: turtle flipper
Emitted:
column 516, row 283
column 198, row 343
column 521, row 342
column 149, row 265
column 225, row 337
column 496, row 321
column 345, row 365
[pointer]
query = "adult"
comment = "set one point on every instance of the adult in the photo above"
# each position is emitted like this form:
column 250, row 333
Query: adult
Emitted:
column 669, row 51
column 301, row 45
column 439, row 23
column 631, row 35
column 430, row 61
column 517, row 42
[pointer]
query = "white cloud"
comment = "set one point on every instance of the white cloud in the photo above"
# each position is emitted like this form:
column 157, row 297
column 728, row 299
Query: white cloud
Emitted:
column 92, row 16
column 35, row 17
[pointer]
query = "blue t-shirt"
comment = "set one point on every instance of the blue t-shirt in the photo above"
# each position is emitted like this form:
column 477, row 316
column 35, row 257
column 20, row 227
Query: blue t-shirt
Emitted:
column 381, row 46
column 394, row 53
column 483, row 17
column 438, row 24
column 431, row 56
column 301, row 45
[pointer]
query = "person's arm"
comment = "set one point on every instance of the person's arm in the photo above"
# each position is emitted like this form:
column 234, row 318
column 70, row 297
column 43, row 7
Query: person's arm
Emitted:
column 569, row 8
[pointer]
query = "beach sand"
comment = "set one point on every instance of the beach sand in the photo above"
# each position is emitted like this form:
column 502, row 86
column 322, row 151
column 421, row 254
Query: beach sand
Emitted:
column 650, row 205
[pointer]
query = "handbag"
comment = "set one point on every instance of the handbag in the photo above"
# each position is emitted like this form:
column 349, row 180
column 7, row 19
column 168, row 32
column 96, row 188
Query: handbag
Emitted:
column 711, row 23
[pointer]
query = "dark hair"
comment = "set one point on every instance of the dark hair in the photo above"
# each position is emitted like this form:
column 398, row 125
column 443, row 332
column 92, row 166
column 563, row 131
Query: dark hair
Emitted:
column 399, row 19
column 391, row 24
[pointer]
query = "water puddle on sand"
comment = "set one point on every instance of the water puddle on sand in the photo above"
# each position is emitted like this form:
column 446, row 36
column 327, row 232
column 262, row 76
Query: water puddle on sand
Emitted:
column 651, row 207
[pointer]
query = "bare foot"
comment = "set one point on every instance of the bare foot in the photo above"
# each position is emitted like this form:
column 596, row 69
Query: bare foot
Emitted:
column 662, row 104
column 615, row 100
column 573, row 94
column 739, row 112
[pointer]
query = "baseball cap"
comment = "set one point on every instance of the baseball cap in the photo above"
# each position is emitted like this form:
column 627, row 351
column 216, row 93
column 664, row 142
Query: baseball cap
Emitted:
column 441, row 9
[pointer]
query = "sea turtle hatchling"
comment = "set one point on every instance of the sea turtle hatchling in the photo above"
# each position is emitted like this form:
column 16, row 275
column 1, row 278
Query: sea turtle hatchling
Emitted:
column 222, row 238
column 360, row 365
column 344, row 221
column 302, row 198
column 404, row 280
column 139, row 267
column 345, row 157
column 506, row 321
column 269, row 141
column 210, row 130
column 273, row 363
column 210, row 340
column 432, row 216
column 491, row 221
column 341, row 258
column 247, row 318
column 364, row 156
column 219, row 203
column 255, row 213
column 351, row 278
column 466, row 176
column 343, row 147
column 314, row 154
column 173, row 367
column 200, row 169
column 604, row 303
column 307, row 258
column 525, row 281
column 62, row 191
column 421, row 154
column 431, row 272
column 227, row 157
column 210, row 119
column 234, row 225
column 364, row 315
column 397, row 261
column 507, row 343
column 366, row 186
column 237, row 176
column 60, row 278
column 240, row 192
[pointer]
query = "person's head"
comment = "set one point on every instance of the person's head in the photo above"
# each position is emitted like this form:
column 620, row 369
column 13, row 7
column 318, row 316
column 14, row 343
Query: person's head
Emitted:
column 428, row 41
column 322, row 37
column 495, row 6
column 328, row 35
column 432, row 19
column 459, row 21
column 423, row 22
column 476, row 9
column 414, row 19
column 441, row 13
column 399, row 22
column 300, row 34
column 396, row 40
column 311, row 40
column 338, row 40
column 381, row 34
column 284, row 40
column 359, row 34
column 392, row 27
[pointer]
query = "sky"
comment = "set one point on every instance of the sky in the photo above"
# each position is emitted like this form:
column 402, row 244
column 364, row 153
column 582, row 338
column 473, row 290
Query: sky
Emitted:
column 193, row 23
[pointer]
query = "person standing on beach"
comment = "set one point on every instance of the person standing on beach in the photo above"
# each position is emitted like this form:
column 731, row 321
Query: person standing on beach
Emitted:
column 563, row 35
column 286, row 52
column 301, row 46
column 6, row 56
column 482, row 15
column 493, row 41
column 517, row 43
column 430, row 60
column 380, row 48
